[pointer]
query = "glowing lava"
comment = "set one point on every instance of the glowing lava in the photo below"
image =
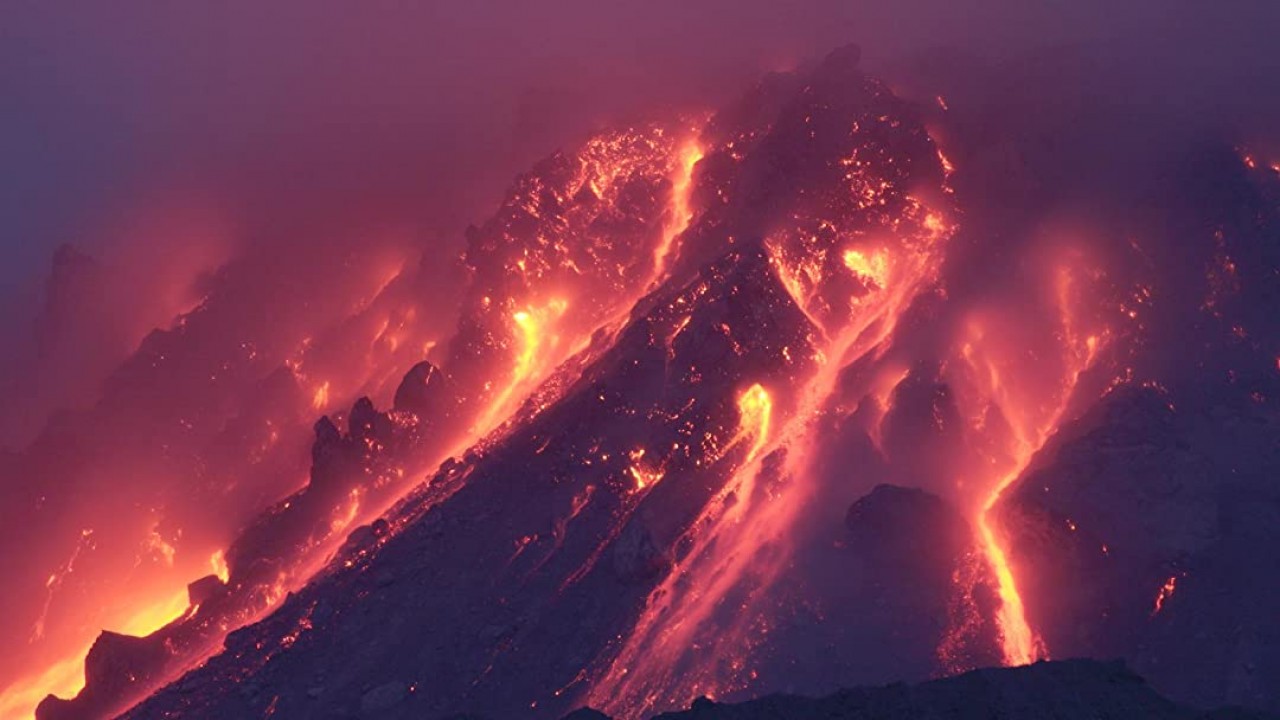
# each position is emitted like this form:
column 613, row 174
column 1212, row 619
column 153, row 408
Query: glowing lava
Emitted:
column 644, row 478
column 755, row 408
column 1018, row 643
column 66, row 677
column 1034, row 408
column 153, row 617
column 1166, row 591
column 869, row 269
column 321, row 397
column 683, row 645
column 218, row 562
column 534, row 334
column 681, row 211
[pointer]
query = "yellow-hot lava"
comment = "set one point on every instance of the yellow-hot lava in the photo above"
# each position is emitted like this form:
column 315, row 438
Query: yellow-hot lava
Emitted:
column 755, row 409
column 1033, row 407
column 534, row 334
column 218, row 562
column 155, row 616
column 742, row 546
column 1018, row 643
column 645, row 478
column 65, row 678
column 870, row 269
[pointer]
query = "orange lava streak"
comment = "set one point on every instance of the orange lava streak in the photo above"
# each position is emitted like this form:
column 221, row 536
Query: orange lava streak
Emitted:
column 1033, row 422
column 321, row 397
column 681, row 210
column 153, row 617
column 755, row 409
column 681, row 646
column 870, row 269
column 1166, row 591
column 1018, row 643
column 218, row 561
column 535, row 336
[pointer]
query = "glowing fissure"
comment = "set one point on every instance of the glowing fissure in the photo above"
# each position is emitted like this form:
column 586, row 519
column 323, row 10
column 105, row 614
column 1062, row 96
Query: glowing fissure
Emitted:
column 870, row 269
column 681, row 210
column 755, row 412
column 1164, row 593
column 746, row 540
column 1033, row 419
column 1018, row 643
column 536, row 338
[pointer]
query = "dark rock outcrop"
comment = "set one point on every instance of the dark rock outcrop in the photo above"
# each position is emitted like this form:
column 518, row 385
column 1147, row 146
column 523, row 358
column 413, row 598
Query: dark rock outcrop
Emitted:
column 1067, row 690
column 424, row 391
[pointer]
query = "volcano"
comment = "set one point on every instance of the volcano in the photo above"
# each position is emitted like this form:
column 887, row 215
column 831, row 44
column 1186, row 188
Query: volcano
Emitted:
column 775, row 397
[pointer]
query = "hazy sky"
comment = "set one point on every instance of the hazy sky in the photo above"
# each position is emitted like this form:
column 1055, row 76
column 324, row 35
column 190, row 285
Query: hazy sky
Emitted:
column 419, row 112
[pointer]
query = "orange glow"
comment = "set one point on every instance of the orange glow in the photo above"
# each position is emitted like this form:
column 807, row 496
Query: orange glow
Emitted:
column 681, row 212
column 755, row 408
column 158, row 547
column 1019, row 643
column 218, row 562
column 1165, row 592
column 64, row 679
column 644, row 478
column 531, row 324
column 534, row 331
column 155, row 616
column 321, row 397
column 1033, row 411
column 746, row 543
column 870, row 270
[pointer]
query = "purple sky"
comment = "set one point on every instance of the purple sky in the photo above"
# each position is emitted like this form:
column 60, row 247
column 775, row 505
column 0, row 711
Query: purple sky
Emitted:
column 418, row 113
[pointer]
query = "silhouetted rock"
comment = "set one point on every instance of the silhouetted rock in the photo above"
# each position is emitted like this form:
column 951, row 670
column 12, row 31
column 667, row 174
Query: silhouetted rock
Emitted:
column 424, row 392
column 205, row 589
column 1066, row 690
column 586, row 714
column 906, row 524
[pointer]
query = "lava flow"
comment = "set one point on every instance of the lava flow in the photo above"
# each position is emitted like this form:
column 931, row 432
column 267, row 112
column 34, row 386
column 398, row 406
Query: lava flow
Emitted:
column 608, row 215
column 1019, row 643
column 786, row 401
column 854, row 295
column 1033, row 415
